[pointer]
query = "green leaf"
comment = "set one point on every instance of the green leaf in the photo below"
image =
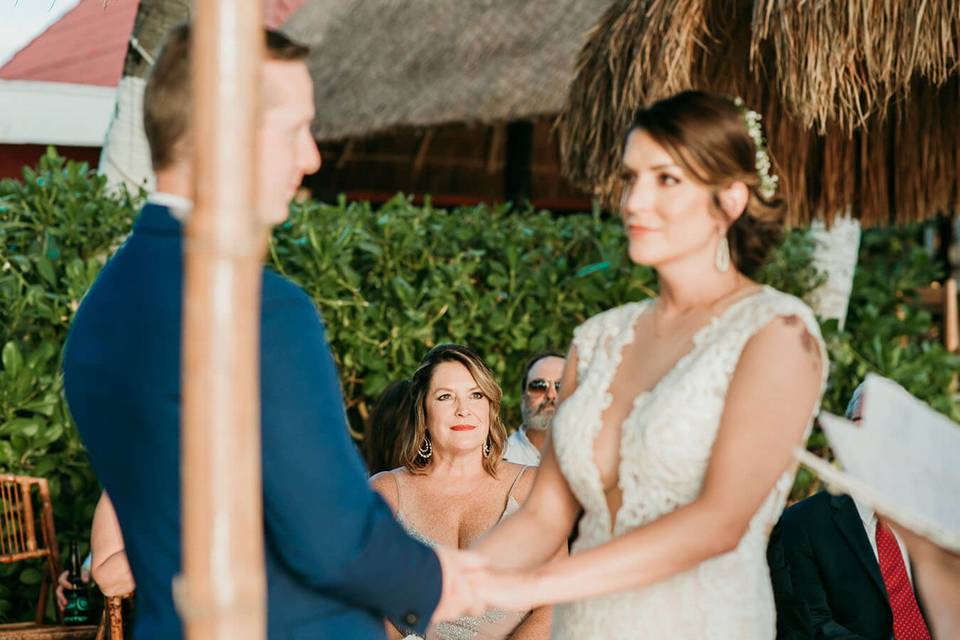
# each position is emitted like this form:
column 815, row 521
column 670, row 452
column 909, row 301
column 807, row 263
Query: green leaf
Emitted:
column 44, row 406
column 23, row 262
column 31, row 576
column 12, row 360
column 26, row 427
column 45, row 269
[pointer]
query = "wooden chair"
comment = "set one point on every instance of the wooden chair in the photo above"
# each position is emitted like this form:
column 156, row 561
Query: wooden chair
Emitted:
column 27, row 533
column 113, row 617
column 941, row 299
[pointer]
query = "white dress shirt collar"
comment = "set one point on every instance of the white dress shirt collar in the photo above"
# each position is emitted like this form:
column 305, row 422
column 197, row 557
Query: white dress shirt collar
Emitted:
column 179, row 206
column 869, row 518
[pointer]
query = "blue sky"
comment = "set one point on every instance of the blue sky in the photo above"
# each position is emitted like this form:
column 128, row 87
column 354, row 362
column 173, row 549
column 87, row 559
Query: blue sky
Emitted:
column 22, row 20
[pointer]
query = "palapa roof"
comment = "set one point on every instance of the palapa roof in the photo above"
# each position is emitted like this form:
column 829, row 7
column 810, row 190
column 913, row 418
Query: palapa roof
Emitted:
column 380, row 65
column 860, row 98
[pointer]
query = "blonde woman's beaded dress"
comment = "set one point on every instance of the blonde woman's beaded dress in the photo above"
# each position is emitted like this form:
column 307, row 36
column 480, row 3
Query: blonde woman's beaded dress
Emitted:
column 665, row 446
column 495, row 624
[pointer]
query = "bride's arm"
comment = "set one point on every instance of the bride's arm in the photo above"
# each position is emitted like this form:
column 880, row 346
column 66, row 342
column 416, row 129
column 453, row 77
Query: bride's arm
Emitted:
column 534, row 534
column 536, row 625
column 769, row 402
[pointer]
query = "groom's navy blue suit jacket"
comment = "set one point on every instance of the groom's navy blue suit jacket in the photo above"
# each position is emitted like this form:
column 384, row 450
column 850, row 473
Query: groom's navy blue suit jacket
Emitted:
column 337, row 562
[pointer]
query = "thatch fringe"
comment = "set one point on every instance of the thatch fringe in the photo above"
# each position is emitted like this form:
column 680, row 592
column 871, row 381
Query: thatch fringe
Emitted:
column 841, row 62
column 838, row 168
column 861, row 99
column 794, row 152
column 639, row 51
column 873, row 202
column 924, row 155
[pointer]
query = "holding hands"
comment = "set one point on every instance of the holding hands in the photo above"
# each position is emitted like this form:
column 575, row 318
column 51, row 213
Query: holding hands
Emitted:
column 463, row 572
column 470, row 587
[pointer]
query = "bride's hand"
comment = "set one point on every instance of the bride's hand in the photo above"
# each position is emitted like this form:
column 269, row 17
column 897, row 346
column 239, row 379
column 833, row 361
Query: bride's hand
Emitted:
column 461, row 570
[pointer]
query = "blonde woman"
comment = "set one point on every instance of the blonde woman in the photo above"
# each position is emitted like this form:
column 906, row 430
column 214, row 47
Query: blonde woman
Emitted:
column 453, row 486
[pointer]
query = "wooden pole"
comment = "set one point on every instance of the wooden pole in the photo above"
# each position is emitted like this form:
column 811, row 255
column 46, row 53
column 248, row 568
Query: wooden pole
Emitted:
column 951, row 317
column 223, row 593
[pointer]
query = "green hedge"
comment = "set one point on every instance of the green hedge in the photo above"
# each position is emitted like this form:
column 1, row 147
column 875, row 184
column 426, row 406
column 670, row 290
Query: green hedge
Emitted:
column 395, row 281
column 391, row 282
column 57, row 228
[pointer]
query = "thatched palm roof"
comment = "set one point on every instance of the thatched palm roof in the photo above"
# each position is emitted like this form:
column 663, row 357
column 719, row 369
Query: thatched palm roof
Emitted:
column 381, row 64
column 860, row 98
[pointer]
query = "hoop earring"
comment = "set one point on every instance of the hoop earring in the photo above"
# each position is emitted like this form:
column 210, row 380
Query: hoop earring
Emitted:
column 722, row 259
column 486, row 448
column 426, row 449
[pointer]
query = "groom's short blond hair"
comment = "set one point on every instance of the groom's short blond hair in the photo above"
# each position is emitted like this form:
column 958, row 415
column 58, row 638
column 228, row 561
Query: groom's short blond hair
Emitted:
column 167, row 97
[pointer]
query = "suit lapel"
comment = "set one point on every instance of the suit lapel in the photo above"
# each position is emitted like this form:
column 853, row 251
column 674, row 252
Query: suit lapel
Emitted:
column 847, row 519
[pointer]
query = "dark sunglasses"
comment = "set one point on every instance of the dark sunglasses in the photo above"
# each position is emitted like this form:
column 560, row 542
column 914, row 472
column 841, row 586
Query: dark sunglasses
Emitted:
column 540, row 386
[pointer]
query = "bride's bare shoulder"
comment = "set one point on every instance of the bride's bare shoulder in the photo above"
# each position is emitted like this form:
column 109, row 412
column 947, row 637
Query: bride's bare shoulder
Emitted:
column 786, row 342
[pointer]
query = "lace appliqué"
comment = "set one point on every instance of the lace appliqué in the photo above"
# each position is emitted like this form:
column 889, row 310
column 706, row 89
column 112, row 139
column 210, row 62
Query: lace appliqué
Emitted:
column 600, row 342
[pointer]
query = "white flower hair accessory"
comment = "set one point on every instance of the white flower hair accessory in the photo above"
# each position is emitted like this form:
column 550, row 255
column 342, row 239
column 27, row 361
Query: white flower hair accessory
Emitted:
column 768, row 179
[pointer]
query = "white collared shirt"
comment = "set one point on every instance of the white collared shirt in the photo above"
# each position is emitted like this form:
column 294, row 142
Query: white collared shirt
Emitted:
column 869, row 519
column 179, row 206
column 520, row 450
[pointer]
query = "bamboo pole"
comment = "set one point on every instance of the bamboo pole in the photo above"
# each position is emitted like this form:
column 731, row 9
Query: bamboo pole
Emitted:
column 223, row 593
column 951, row 318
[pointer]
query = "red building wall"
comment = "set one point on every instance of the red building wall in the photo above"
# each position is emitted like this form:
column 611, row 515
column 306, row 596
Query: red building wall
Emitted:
column 13, row 157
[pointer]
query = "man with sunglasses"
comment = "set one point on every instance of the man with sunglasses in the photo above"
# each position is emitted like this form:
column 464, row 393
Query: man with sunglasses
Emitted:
column 538, row 405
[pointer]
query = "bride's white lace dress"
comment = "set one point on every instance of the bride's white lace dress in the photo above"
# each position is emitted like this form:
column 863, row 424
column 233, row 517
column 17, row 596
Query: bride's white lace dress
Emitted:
column 664, row 451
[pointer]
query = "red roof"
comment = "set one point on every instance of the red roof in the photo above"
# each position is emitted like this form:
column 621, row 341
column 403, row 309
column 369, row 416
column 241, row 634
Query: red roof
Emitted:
column 89, row 43
column 86, row 46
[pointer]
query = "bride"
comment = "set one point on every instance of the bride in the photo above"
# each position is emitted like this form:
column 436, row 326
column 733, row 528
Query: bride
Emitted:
column 679, row 414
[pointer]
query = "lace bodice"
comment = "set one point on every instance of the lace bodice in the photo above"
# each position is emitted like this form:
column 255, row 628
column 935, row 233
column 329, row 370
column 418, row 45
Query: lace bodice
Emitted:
column 665, row 445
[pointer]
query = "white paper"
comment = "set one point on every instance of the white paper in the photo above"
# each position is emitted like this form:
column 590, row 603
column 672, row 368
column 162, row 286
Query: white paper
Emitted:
column 903, row 459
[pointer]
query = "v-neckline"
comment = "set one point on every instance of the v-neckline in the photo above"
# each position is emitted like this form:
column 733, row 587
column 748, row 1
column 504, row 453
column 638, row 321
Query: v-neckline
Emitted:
column 695, row 340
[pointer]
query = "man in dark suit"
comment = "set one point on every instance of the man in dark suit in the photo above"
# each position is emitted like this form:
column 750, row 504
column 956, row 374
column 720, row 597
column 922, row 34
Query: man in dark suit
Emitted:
column 337, row 563
column 838, row 573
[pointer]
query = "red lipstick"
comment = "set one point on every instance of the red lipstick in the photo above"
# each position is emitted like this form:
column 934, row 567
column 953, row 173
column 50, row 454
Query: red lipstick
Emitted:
column 637, row 230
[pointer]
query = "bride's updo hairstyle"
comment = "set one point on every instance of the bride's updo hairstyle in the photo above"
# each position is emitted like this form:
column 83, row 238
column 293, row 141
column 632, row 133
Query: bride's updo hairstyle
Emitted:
column 707, row 135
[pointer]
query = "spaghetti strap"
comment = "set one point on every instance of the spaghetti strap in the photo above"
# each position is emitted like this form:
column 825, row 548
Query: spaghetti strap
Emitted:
column 515, row 481
column 396, row 480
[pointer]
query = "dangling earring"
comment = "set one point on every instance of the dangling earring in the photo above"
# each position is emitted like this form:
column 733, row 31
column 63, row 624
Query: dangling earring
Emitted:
column 486, row 448
column 426, row 449
column 722, row 259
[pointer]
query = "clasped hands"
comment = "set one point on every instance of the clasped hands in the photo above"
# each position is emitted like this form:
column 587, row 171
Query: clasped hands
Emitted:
column 471, row 587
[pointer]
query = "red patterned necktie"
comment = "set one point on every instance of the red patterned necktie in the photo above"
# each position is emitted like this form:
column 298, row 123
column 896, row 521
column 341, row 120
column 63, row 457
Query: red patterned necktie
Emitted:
column 908, row 624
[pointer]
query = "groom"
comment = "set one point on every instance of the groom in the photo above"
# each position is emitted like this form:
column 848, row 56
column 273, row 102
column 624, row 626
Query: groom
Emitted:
column 337, row 563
